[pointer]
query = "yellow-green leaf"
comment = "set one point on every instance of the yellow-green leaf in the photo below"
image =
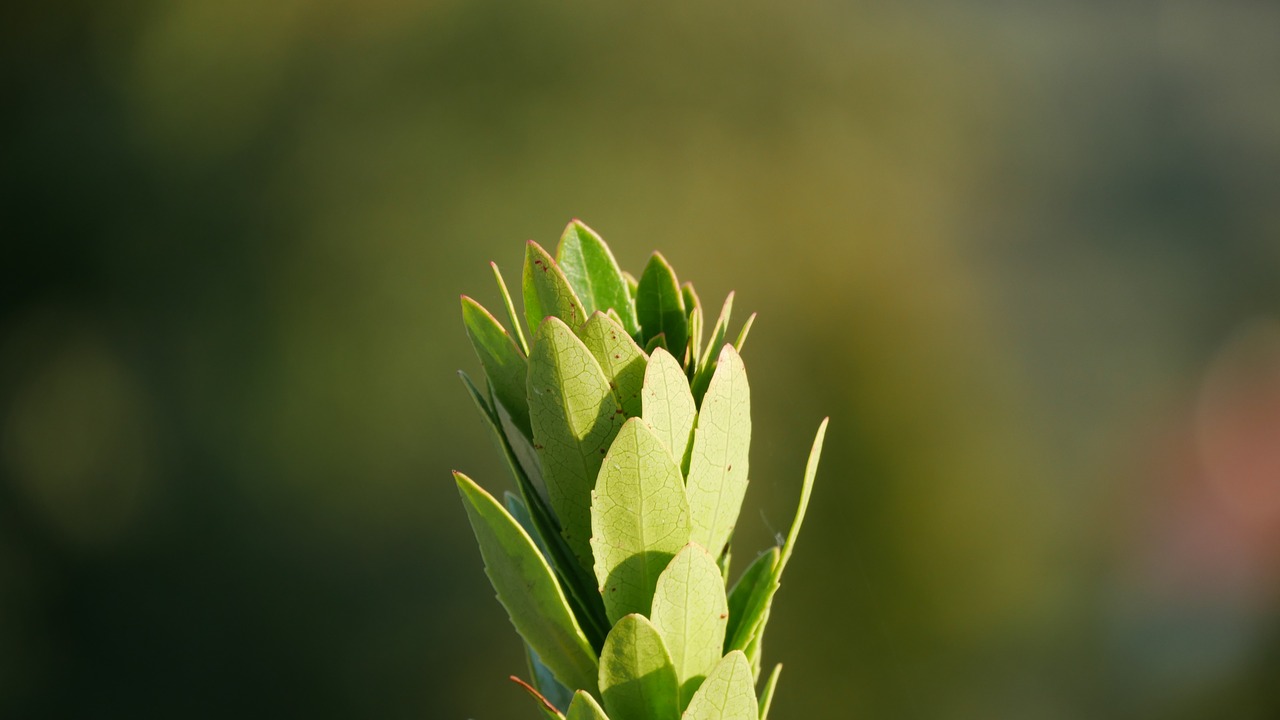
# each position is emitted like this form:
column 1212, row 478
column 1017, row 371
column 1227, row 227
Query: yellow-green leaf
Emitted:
column 667, row 404
column 585, row 707
column 589, row 267
column 718, row 462
column 690, row 612
column 639, row 519
column 504, row 364
column 728, row 693
column 546, row 291
column 621, row 359
column 637, row 679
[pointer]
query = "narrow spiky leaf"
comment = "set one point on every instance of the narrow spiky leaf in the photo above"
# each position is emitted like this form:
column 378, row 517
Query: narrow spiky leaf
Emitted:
column 575, row 417
column 504, row 364
column 690, row 611
column 766, row 696
column 728, row 693
column 594, row 274
column 639, row 519
column 742, row 334
column 528, row 590
column 668, row 406
column 660, row 305
column 707, row 363
column 754, row 582
column 511, row 308
column 718, row 463
column 637, row 679
column 621, row 360
column 546, row 291
column 756, row 614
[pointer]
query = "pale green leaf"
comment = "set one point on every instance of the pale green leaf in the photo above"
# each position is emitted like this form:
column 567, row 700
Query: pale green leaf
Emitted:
column 742, row 334
column 504, row 364
column 622, row 361
column 766, row 697
column 753, row 583
column 690, row 611
column 585, row 707
column 511, row 308
column 660, row 305
column 637, row 679
column 546, row 291
column 575, row 417
column 639, row 519
column 756, row 615
column 528, row 590
column 667, row 405
column 695, row 342
column 728, row 693
column 718, row 462
column 589, row 267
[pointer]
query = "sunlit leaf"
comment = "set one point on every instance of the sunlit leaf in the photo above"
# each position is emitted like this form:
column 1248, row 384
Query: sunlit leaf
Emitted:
column 637, row 679
column 594, row 275
column 668, row 406
column 547, row 293
column 707, row 363
column 639, row 519
column 585, row 707
column 718, row 462
column 690, row 611
column 727, row 694
column 766, row 696
column 575, row 416
column 510, row 307
column 621, row 360
column 528, row 590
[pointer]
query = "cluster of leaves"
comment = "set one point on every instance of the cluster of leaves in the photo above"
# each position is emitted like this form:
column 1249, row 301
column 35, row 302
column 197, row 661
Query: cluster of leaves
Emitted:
column 628, row 441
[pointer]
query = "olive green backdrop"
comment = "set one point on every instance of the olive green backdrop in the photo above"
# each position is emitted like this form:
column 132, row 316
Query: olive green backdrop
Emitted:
column 1026, row 255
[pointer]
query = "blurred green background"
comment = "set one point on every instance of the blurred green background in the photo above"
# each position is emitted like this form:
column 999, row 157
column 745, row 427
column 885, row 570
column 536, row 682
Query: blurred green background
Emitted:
column 1026, row 255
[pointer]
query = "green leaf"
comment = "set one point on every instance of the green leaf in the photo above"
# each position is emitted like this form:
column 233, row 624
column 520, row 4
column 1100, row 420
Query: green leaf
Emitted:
column 639, row 519
column 660, row 305
column 695, row 342
column 511, row 308
column 718, row 463
column 585, row 707
column 668, row 407
column 754, row 582
column 655, row 342
column 742, row 334
column 707, row 363
column 575, row 417
column 756, row 615
column 728, row 693
column 766, row 697
column 584, row 596
column 622, row 361
column 637, row 679
column 690, row 611
column 503, row 363
column 594, row 274
column 528, row 590
column 547, row 292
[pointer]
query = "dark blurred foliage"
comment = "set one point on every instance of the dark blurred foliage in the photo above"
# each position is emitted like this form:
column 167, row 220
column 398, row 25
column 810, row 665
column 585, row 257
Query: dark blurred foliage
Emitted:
column 1026, row 255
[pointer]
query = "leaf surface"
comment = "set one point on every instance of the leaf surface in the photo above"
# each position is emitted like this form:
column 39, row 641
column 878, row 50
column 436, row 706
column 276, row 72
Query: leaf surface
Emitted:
column 753, row 583
column 511, row 308
column 589, row 267
column 547, row 293
column 637, row 679
column 707, row 363
column 639, row 519
column 503, row 362
column 585, row 707
column 528, row 590
column 690, row 612
column 766, row 697
column 718, row 463
column 660, row 305
column 728, row 693
column 667, row 404
column 575, row 417
column 620, row 358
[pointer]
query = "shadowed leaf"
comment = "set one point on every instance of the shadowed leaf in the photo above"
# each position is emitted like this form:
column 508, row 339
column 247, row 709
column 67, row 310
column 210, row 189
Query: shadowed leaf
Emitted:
column 660, row 305
column 504, row 364
column 727, row 694
column 637, row 679
column 622, row 361
column 589, row 267
column 690, row 612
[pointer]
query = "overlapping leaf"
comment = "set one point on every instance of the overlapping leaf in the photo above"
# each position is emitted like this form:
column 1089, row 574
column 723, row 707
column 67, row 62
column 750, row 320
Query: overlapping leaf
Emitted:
column 727, row 694
column 503, row 362
column 637, row 679
column 639, row 519
column 667, row 404
column 718, row 464
column 690, row 611
column 585, row 707
column 589, row 267
column 547, row 293
column 660, row 306
column 621, row 360
column 575, row 417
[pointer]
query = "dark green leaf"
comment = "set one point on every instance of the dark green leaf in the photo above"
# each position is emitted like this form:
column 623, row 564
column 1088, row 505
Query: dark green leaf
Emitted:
column 547, row 292
column 503, row 363
column 660, row 305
